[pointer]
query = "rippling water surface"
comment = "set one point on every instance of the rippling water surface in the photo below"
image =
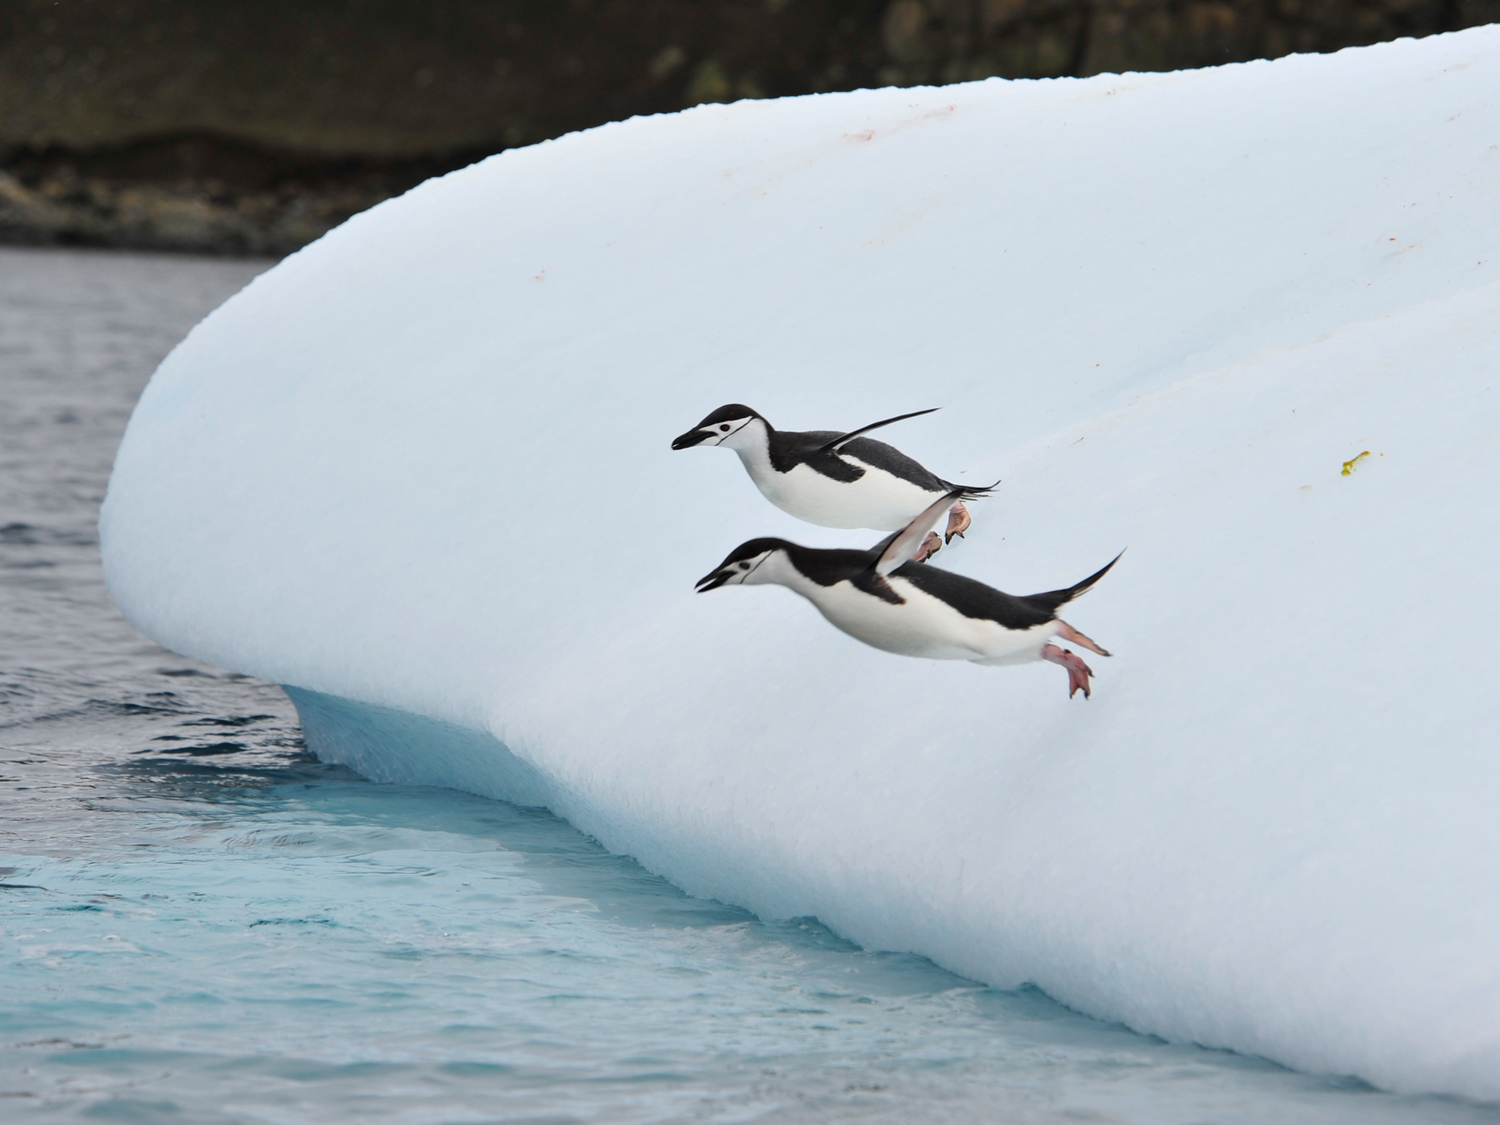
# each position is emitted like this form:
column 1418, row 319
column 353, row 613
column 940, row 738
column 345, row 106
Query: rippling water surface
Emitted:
column 199, row 922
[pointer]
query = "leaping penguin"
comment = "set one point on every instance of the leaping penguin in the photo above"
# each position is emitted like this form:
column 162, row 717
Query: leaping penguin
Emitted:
column 835, row 479
column 883, row 598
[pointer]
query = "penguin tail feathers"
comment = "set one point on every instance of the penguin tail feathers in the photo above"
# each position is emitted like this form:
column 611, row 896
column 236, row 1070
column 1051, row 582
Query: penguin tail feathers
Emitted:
column 965, row 492
column 1056, row 599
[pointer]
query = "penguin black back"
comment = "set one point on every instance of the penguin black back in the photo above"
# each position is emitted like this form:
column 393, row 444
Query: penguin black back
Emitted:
column 812, row 448
column 975, row 599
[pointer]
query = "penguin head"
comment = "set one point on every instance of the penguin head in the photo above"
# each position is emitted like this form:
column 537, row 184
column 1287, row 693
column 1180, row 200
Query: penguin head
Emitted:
column 744, row 566
column 720, row 427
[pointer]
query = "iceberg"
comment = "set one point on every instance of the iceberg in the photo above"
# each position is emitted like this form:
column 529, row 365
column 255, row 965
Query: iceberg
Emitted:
column 1244, row 322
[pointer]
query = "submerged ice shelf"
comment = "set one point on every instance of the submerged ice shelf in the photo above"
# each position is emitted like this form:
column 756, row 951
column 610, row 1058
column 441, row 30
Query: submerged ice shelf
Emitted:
column 420, row 473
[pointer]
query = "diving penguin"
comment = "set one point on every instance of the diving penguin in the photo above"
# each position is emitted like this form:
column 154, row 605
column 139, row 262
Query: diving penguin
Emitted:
column 834, row 479
column 881, row 597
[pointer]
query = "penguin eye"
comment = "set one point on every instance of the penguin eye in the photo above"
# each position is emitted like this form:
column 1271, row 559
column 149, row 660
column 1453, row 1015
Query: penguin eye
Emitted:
column 725, row 427
column 744, row 566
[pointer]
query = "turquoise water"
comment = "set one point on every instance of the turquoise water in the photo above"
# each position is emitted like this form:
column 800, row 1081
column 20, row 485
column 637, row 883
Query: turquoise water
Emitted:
column 279, row 940
column 201, row 923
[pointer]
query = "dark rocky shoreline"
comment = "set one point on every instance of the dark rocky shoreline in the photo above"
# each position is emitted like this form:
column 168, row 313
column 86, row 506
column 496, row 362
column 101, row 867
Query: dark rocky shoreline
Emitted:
column 195, row 192
column 253, row 129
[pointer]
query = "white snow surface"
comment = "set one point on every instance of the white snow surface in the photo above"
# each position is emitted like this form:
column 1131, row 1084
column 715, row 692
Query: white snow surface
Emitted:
column 424, row 464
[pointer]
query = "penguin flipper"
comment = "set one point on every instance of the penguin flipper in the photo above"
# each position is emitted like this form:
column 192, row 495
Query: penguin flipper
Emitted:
column 844, row 439
column 904, row 545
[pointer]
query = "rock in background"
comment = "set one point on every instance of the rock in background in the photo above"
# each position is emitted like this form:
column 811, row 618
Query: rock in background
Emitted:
column 253, row 128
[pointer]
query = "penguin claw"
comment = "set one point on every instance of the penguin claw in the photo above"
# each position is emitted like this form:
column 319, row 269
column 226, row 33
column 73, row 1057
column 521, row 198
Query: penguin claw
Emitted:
column 958, row 522
column 930, row 546
column 1078, row 671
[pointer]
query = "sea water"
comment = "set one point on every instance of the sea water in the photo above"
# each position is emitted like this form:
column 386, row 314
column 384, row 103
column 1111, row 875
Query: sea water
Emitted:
column 200, row 922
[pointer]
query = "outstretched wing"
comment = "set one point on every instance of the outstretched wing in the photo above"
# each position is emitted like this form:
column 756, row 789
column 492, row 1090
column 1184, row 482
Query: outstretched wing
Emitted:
column 902, row 547
column 843, row 439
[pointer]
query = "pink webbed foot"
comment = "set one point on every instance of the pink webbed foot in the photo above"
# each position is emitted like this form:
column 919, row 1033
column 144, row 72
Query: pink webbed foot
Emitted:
column 930, row 546
column 1078, row 671
column 958, row 522
column 1068, row 633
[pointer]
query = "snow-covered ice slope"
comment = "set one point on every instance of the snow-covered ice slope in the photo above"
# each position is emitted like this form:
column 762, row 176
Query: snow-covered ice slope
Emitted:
column 424, row 465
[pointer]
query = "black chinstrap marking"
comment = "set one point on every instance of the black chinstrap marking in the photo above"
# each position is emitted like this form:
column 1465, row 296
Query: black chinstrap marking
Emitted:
column 734, row 412
column 747, row 550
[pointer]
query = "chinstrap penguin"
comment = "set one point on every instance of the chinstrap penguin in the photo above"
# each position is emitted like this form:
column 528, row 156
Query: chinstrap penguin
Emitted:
column 834, row 479
column 883, row 598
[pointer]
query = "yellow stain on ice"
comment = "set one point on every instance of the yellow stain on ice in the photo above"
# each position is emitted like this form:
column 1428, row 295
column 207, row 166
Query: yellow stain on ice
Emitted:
column 1349, row 464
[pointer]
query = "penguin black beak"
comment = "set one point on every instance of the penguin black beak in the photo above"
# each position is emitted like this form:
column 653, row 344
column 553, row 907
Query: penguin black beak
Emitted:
column 691, row 438
column 713, row 581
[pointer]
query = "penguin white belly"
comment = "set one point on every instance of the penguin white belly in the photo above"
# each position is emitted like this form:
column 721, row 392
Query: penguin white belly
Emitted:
column 1016, row 646
column 876, row 500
